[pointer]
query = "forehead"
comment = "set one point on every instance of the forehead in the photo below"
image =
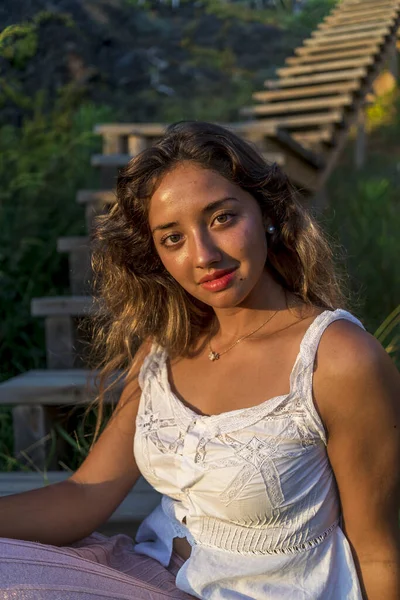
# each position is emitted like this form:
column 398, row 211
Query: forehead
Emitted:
column 189, row 187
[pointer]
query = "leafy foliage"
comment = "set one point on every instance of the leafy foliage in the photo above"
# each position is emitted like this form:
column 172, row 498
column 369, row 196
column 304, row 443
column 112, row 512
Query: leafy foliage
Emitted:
column 42, row 164
column 365, row 218
column 19, row 42
column 388, row 334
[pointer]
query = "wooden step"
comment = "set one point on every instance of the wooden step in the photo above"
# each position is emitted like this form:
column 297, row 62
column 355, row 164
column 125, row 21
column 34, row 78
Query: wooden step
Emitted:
column 316, row 58
column 125, row 129
column 323, row 48
column 96, row 197
column 326, row 29
column 121, row 160
column 141, row 500
column 274, row 157
column 110, row 160
column 326, row 34
column 314, row 136
column 53, row 387
column 298, row 106
column 147, row 129
column 305, row 120
column 311, row 91
column 383, row 31
column 357, row 17
column 124, row 140
column 343, row 20
column 257, row 131
column 364, row 8
column 240, row 128
column 68, row 244
column 365, row 3
column 30, row 393
column 350, row 74
column 73, row 306
column 325, row 67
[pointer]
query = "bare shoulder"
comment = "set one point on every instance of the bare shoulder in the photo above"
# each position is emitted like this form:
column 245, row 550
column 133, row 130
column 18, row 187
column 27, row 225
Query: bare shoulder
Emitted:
column 357, row 393
column 345, row 346
column 352, row 372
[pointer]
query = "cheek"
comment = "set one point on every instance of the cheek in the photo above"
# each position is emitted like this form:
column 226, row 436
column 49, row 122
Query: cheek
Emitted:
column 252, row 242
column 175, row 262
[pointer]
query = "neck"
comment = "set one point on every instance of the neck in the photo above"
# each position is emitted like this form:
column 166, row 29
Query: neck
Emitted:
column 264, row 301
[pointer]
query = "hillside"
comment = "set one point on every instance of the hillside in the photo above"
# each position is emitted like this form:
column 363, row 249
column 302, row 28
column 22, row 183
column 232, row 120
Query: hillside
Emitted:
column 148, row 62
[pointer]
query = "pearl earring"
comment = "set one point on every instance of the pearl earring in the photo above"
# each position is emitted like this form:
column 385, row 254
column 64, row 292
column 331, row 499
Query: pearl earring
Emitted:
column 271, row 229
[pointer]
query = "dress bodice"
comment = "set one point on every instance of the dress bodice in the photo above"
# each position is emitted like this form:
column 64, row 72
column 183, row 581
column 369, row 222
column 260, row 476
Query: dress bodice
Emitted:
column 252, row 482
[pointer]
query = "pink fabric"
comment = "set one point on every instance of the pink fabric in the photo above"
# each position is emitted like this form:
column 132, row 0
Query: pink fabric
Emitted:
column 97, row 567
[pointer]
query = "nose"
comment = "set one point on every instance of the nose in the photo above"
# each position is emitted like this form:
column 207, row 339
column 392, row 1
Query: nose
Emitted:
column 204, row 250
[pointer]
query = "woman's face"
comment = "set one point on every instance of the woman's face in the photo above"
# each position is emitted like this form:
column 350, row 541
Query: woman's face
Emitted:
column 209, row 234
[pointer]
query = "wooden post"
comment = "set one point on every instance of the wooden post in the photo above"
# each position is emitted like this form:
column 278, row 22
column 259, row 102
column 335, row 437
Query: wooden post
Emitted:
column 136, row 143
column 113, row 143
column 393, row 60
column 360, row 145
column 61, row 354
column 60, row 342
column 32, row 423
column 31, row 431
column 91, row 210
column 80, row 271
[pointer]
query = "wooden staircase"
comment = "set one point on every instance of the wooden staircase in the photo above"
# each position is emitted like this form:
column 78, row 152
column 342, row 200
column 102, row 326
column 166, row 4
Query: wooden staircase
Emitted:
column 324, row 89
column 301, row 120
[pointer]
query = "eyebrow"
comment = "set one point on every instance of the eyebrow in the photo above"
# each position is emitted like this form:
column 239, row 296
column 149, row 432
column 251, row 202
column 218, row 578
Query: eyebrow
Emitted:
column 207, row 209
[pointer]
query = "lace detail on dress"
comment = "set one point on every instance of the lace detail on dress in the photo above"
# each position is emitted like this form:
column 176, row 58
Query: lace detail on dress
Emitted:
column 258, row 456
column 149, row 424
column 295, row 407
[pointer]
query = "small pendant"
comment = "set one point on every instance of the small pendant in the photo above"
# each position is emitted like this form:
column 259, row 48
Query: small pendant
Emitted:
column 213, row 356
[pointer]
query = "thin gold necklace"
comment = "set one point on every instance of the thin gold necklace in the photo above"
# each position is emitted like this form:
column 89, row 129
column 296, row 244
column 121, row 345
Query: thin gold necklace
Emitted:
column 216, row 355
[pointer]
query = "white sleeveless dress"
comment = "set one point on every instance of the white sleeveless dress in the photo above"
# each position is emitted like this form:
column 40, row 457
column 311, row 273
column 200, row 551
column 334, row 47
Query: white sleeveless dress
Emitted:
column 251, row 489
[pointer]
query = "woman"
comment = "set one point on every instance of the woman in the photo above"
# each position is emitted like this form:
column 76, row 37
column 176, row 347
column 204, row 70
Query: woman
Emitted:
column 261, row 410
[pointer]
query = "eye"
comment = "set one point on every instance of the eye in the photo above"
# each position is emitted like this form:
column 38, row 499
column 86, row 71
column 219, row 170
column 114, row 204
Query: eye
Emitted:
column 171, row 240
column 224, row 218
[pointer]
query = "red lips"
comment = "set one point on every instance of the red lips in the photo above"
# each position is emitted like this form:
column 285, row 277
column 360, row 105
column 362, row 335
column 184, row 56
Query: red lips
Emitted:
column 216, row 275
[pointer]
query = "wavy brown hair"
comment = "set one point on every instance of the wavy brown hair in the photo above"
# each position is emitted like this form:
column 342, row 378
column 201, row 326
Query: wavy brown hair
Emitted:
column 138, row 300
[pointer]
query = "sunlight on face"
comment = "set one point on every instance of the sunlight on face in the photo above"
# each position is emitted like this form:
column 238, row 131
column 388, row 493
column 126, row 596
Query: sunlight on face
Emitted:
column 205, row 226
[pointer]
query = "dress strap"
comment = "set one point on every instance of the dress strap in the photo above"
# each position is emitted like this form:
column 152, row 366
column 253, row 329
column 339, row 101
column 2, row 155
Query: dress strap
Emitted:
column 310, row 342
column 308, row 351
column 150, row 364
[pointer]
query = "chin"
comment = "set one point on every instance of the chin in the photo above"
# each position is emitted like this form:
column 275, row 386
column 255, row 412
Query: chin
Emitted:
column 225, row 299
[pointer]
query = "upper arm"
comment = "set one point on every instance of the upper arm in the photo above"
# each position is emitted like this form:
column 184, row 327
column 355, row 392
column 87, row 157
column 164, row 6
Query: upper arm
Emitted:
column 357, row 389
column 110, row 465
